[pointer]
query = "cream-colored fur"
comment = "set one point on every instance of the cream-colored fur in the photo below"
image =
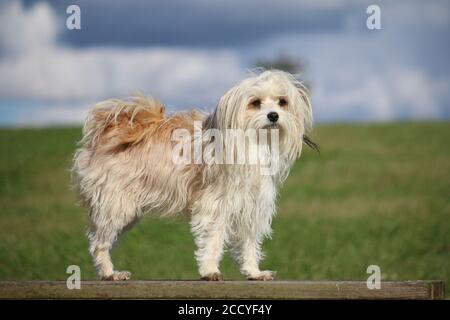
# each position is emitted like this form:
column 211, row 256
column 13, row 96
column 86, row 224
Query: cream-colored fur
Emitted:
column 124, row 170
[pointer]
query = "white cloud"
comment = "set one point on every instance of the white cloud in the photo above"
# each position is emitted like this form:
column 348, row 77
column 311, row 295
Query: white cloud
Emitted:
column 397, row 94
column 40, row 115
column 24, row 31
column 64, row 73
column 33, row 66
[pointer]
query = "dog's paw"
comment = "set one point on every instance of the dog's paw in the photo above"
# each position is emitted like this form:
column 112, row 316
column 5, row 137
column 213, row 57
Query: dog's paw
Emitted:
column 265, row 275
column 118, row 276
column 213, row 276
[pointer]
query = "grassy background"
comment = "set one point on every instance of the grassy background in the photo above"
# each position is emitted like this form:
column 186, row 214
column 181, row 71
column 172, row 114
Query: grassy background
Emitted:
column 377, row 194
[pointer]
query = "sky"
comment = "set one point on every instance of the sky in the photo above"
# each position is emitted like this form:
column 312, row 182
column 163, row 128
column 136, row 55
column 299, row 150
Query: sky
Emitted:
column 188, row 53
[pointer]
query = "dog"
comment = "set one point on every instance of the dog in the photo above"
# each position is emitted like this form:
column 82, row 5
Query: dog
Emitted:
column 124, row 169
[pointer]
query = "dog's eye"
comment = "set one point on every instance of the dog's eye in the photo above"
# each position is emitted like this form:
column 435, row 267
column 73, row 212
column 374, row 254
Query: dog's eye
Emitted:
column 282, row 102
column 256, row 103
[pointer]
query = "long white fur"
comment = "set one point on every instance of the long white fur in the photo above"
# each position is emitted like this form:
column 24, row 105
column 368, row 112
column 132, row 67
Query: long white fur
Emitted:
column 229, row 205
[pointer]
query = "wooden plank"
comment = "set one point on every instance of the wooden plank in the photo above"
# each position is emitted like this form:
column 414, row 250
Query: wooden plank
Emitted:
column 222, row 290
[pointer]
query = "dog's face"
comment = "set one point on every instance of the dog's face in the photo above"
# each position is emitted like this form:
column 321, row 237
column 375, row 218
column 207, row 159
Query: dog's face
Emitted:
column 271, row 100
column 268, row 105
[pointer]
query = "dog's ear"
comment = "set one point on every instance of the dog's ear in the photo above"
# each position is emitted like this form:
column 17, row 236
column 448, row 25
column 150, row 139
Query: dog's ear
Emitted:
column 307, row 140
column 308, row 118
column 305, row 111
column 306, row 108
column 224, row 117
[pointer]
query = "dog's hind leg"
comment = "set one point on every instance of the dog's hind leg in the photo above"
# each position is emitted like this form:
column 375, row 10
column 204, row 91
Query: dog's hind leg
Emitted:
column 102, row 235
column 100, row 248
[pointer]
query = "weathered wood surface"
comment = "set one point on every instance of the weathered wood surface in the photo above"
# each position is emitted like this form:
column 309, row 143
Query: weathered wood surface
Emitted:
column 222, row 290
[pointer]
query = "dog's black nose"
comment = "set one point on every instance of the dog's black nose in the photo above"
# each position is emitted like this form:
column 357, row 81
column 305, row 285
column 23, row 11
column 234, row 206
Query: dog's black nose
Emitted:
column 273, row 116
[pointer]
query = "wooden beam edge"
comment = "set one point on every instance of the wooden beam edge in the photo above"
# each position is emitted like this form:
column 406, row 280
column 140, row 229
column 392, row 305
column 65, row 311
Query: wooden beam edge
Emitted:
column 183, row 289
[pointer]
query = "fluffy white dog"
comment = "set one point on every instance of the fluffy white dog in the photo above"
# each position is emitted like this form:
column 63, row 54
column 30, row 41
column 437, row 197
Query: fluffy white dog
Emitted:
column 125, row 169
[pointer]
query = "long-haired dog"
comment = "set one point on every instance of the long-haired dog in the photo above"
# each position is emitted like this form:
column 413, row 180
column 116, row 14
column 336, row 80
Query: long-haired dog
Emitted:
column 125, row 169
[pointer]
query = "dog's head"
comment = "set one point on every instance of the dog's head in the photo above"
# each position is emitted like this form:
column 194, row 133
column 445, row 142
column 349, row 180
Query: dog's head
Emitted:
column 271, row 100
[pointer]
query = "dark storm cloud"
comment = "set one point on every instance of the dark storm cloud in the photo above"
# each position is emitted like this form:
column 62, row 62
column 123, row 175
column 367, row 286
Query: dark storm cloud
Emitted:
column 197, row 22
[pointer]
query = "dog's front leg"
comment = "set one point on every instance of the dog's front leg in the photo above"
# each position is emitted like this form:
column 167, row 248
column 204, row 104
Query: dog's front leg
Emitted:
column 209, row 233
column 250, row 256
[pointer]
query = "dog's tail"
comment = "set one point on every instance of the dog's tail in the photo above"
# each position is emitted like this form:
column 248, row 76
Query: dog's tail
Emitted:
column 113, row 124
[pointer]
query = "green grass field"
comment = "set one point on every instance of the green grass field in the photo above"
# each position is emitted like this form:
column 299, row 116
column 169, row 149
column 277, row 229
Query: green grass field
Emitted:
column 377, row 194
